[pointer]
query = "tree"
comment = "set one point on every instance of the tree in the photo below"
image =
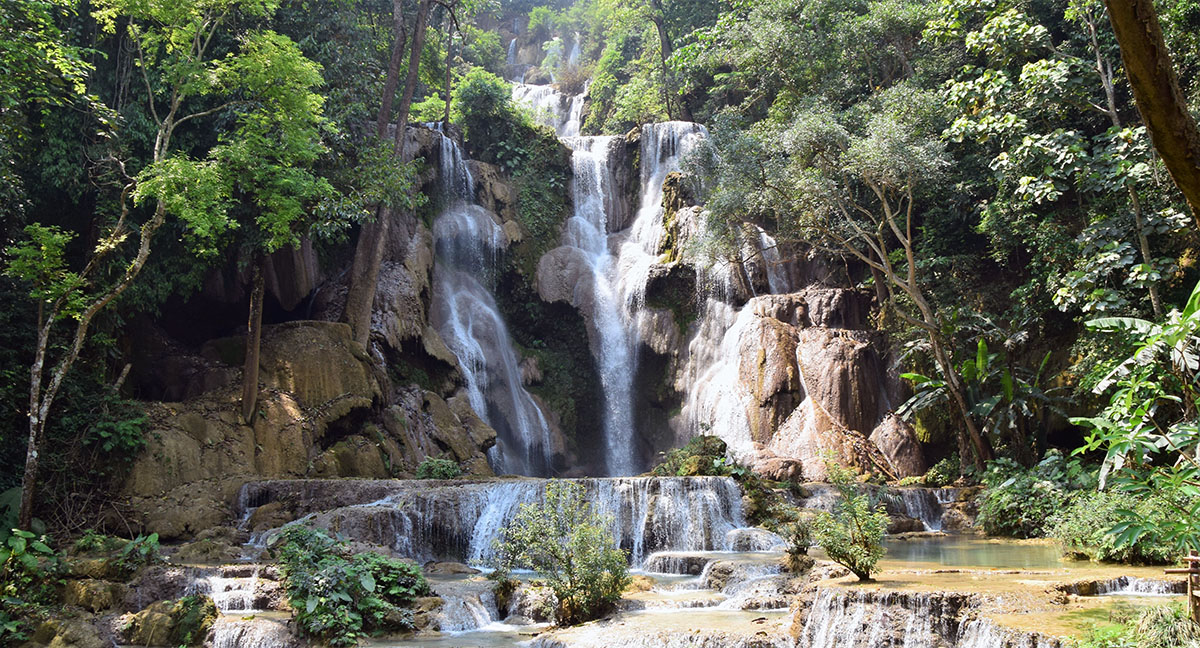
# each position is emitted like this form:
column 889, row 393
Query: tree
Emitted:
column 571, row 547
column 1156, row 90
column 263, row 82
column 368, row 254
column 811, row 179
column 1149, row 432
column 852, row 535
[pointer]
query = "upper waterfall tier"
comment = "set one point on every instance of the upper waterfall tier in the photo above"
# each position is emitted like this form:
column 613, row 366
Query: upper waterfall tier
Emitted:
column 468, row 239
column 563, row 113
column 459, row 520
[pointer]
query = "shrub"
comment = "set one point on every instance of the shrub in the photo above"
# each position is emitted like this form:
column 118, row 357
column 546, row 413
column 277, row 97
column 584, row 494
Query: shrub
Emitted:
column 29, row 576
column 702, row 455
column 1020, row 501
column 852, row 535
column 572, row 550
column 795, row 526
column 137, row 553
column 191, row 619
column 943, row 473
column 339, row 597
column 482, row 105
column 1084, row 526
column 438, row 468
column 1166, row 627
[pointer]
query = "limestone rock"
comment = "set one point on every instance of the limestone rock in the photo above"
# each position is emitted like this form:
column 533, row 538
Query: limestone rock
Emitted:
column 291, row 273
column 150, row 627
column 93, row 595
column 68, row 633
column 321, row 364
column 353, row 456
column 899, row 444
column 448, row 568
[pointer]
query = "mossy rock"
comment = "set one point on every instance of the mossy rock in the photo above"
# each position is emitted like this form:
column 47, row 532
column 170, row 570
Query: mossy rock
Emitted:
column 192, row 617
column 68, row 633
column 93, row 595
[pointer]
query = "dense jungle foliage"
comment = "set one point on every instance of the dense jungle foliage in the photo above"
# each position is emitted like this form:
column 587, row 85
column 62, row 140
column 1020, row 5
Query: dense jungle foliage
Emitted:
column 980, row 165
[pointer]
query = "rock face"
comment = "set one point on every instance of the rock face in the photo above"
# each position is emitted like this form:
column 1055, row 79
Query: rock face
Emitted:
column 320, row 392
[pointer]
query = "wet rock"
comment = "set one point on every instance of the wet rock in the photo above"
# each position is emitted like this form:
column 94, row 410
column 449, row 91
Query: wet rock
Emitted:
column 448, row 568
column 753, row 539
column 537, row 604
column 353, row 456
column 206, row 551
column 676, row 563
column 903, row 524
column 150, row 627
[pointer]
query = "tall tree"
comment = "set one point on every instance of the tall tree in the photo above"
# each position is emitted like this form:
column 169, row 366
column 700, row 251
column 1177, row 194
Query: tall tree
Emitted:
column 368, row 254
column 186, row 78
column 1157, row 93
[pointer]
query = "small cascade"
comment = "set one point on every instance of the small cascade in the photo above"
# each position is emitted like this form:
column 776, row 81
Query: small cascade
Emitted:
column 233, row 588
column 866, row 619
column 463, row 612
column 469, row 239
column 1128, row 586
column 984, row 633
column 512, row 53
column 924, row 504
column 255, row 632
column 551, row 108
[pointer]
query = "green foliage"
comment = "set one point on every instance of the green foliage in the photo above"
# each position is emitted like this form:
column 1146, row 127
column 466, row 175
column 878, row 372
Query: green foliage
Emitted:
column 191, row 619
column 338, row 596
column 1084, row 527
column 29, row 576
column 702, row 455
column 93, row 543
column 943, row 473
column 139, row 552
column 1148, row 431
column 852, row 535
column 570, row 547
column 1021, row 502
column 438, row 468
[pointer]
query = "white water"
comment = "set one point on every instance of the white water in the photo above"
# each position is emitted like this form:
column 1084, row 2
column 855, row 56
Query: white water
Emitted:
column 587, row 231
column 469, row 240
column 575, row 51
column 648, row 514
column 552, row 108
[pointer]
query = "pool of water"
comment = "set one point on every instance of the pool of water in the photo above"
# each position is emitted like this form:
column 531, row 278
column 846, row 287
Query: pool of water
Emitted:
column 968, row 551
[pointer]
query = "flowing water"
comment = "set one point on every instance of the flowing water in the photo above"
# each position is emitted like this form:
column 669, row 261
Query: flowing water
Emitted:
column 469, row 241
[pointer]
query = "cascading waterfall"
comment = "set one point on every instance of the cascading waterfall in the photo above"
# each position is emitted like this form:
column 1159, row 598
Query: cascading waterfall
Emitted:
column 233, row 588
column 587, row 231
column 461, row 521
column 552, row 108
column 469, row 241
column 576, row 50
column 512, row 52
column 849, row 619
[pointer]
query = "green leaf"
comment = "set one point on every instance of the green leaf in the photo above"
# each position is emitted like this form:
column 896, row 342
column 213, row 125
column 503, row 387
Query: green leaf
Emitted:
column 311, row 604
column 981, row 357
column 40, row 547
column 367, row 581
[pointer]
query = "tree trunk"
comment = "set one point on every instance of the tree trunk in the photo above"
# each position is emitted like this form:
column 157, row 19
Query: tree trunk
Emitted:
column 449, row 67
column 368, row 253
column 253, row 344
column 393, row 72
column 1156, row 91
column 665, row 49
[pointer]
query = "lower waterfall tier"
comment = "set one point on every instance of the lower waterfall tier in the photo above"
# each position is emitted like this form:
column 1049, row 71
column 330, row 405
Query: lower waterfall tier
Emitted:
column 461, row 520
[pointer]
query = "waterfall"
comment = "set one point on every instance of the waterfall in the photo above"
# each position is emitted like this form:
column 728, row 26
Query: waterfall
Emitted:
column 468, row 241
column 512, row 52
column 463, row 612
column 715, row 395
column 552, row 108
column 867, row 619
column 255, row 632
column 461, row 521
column 587, row 231
column 984, row 633
column 233, row 588
column 574, row 53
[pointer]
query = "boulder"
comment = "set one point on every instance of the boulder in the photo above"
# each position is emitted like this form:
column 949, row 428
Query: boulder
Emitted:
column 68, row 633
column 94, row 595
column 896, row 439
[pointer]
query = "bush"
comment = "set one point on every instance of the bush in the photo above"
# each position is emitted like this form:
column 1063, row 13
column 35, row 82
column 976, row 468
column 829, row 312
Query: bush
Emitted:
column 572, row 550
column 943, row 473
column 852, row 535
column 29, row 576
column 482, row 105
column 339, row 597
column 702, row 455
column 1020, row 501
column 438, row 468
column 191, row 619
column 1084, row 526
